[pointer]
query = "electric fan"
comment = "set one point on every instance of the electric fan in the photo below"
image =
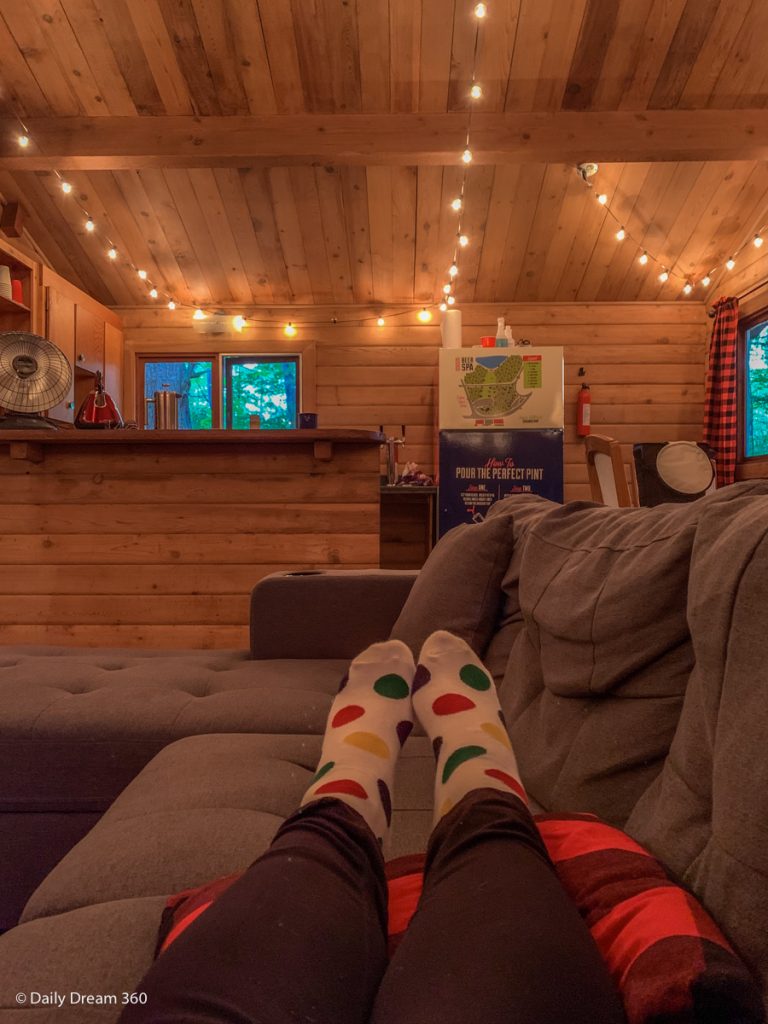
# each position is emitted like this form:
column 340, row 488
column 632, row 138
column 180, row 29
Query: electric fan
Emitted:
column 34, row 376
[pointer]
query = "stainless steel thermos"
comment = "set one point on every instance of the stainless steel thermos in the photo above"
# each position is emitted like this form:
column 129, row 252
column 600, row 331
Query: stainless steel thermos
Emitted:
column 166, row 403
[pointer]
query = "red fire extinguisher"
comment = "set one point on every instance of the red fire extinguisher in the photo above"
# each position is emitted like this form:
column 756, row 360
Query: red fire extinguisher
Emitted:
column 584, row 411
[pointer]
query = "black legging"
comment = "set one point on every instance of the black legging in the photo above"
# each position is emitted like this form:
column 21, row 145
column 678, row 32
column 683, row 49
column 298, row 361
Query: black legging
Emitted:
column 301, row 937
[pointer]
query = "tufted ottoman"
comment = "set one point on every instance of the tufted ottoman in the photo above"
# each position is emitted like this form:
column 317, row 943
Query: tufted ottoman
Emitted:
column 78, row 724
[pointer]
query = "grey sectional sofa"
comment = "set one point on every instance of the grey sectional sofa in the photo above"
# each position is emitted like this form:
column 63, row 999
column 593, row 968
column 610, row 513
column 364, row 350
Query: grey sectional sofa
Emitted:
column 629, row 647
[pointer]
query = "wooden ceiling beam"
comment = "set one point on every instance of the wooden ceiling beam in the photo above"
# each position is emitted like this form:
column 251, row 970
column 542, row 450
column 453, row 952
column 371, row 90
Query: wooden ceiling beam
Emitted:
column 126, row 143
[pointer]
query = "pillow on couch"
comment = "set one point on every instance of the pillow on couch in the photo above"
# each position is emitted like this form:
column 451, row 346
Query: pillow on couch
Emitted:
column 666, row 955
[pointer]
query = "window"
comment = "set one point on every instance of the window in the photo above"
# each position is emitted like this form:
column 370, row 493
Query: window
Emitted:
column 194, row 378
column 263, row 386
column 755, row 376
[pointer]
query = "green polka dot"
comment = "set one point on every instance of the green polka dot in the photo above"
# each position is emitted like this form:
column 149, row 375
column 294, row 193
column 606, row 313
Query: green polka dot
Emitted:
column 474, row 677
column 322, row 771
column 392, row 686
column 459, row 757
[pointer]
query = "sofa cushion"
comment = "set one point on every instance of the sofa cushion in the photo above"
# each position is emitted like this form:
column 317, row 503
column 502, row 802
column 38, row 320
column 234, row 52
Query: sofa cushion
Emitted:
column 707, row 813
column 78, row 724
column 459, row 587
column 206, row 806
column 595, row 682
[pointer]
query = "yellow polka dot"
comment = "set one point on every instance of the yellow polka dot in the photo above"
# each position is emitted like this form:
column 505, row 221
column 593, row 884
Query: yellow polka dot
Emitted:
column 497, row 732
column 369, row 742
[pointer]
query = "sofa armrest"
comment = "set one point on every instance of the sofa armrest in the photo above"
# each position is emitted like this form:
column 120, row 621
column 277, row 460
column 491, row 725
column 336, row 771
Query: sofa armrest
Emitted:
column 325, row 614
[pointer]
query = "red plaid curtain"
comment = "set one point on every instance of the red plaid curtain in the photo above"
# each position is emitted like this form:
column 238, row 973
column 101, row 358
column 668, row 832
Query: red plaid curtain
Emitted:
column 720, row 412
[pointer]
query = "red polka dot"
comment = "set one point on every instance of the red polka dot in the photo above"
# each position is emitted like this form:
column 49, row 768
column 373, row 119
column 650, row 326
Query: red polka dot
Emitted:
column 508, row 780
column 347, row 786
column 452, row 703
column 347, row 715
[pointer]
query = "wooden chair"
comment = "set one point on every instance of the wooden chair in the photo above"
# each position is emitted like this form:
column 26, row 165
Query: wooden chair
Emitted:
column 608, row 475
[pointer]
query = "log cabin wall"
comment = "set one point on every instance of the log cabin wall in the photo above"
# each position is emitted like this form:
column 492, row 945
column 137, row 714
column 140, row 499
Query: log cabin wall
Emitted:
column 644, row 362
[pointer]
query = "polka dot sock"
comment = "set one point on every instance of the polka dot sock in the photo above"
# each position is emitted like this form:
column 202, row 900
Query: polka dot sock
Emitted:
column 369, row 722
column 455, row 700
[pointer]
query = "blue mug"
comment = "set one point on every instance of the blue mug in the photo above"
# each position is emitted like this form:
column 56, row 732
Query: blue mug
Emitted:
column 308, row 420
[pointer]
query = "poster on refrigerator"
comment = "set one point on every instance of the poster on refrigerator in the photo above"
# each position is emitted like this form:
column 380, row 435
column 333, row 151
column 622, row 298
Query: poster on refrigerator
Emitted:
column 479, row 467
column 512, row 388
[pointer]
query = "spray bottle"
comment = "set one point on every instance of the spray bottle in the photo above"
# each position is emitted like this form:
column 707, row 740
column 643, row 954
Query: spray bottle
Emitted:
column 501, row 341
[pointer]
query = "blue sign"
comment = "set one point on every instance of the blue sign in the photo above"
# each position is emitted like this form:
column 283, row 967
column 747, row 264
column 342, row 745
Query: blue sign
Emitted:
column 478, row 467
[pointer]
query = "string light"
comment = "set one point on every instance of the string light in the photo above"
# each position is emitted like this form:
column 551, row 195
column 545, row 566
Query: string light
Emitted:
column 450, row 300
column 153, row 293
column 466, row 156
column 89, row 225
column 463, row 241
column 198, row 314
column 664, row 275
column 142, row 274
column 456, row 204
column 66, row 188
column 446, row 289
column 289, row 330
column 602, row 198
column 642, row 260
column 443, row 307
column 621, row 234
column 171, row 304
column 730, row 264
column 481, row 10
column 687, row 288
column 380, row 322
column 453, row 270
column 23, row 141
column 476, row 91
column 238, row 323
column 424, row 315
column 757, row 241
column 706, row 281
column 112, row 253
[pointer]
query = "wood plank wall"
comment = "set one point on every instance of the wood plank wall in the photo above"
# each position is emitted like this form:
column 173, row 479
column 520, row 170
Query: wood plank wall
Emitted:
column 644, row 362
column 160, row 545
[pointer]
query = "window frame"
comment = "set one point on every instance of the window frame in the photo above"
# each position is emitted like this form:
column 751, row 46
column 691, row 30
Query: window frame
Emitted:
column 746, row 323
column 228, row 358
column 179, row 357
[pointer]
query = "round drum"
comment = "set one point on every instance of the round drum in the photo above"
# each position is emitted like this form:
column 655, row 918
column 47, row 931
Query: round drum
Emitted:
column 684, row 467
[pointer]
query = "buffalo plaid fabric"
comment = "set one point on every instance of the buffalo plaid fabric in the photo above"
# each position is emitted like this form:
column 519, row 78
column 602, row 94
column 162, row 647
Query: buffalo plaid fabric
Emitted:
column 668, row 958
column 720, row 407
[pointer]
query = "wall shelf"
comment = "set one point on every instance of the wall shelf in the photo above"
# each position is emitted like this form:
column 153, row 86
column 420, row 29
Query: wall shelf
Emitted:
column 9, row 306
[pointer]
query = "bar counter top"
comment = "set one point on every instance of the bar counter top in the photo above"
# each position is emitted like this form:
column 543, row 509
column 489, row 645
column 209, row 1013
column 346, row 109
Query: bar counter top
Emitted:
column 129, row 436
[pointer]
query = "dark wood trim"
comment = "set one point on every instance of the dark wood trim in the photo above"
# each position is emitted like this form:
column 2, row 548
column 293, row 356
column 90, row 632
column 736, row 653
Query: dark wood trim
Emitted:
column 745, row 324
column 178, row 357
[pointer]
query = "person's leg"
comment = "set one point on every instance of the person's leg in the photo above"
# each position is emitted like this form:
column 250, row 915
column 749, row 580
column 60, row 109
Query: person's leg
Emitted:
column 302, row 935
column 495, row 937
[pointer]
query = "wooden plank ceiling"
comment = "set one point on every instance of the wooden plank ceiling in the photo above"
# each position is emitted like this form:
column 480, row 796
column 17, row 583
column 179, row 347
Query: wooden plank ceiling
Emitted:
column 382, row 233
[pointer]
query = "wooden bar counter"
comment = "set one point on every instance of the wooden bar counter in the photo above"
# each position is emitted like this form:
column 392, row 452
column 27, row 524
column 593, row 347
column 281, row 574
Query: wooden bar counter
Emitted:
column 155, row 539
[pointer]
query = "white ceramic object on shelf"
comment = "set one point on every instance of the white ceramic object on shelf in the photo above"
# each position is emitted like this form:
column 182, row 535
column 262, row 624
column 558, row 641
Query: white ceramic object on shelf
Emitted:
column 450, row 328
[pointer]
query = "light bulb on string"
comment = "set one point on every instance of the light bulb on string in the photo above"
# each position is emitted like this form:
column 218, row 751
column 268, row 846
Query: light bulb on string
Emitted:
column 66, row 188
column 238, row 323
column 289, row 330
column 456, row 204
column 450, row 300
column 481, row 10
column 380, row 322
column 602, row 198
column 664, row 275
column 443, row 306
column 706, row 281
column 476, row 91
column 112, row 253
column 463, row 241
column 466, row 156
column 730, row 264
column 453, row 270
column 198, row 314
column 153, row 293
column 171, row 304
column 621, row 234
column 643, row 259
column 142, row 274
column 89, row 225
column 447, row 289
column 687, row 288
column 23, row 141
column 424, row 315
column 757, row 241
